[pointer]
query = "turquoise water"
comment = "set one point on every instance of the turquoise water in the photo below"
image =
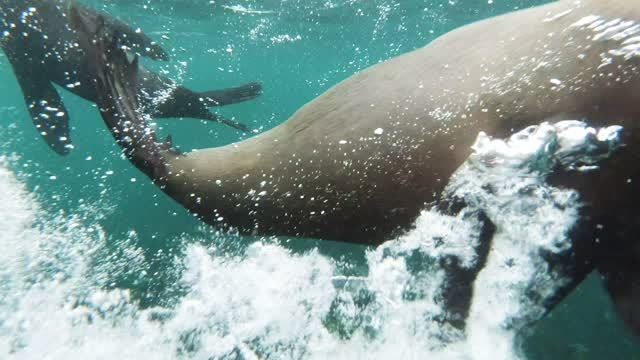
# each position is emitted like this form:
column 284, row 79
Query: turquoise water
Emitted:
column 93, row 212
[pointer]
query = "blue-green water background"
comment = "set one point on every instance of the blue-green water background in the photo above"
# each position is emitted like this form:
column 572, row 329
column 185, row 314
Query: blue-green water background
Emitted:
column 297, row 50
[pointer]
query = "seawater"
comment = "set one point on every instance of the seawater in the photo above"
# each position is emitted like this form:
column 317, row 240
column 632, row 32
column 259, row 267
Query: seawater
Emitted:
column 98, row 263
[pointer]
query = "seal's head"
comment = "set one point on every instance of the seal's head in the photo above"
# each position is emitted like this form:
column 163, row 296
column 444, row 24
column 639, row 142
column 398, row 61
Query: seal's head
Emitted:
column 91, row 24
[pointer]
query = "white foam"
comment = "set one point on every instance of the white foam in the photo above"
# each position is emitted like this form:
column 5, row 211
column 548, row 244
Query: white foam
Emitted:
column 506, row 179
column 622, row 32
column 243, row 10
column 267, row 302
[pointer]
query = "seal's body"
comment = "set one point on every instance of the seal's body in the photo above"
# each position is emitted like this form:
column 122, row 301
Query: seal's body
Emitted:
column 361, row 161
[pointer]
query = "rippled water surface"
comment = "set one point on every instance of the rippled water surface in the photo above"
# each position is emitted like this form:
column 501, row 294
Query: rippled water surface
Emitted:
column 98, row 263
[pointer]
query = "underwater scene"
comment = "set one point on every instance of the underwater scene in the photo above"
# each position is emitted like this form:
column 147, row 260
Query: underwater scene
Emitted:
column 116, row 244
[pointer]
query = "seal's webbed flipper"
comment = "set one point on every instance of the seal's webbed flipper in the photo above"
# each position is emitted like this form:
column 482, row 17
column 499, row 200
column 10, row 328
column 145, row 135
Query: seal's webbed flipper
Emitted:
column 47, row 111
column 234, row 124
column 117, row 94
column 184, row 102
column 167, row 146
column 232, row 95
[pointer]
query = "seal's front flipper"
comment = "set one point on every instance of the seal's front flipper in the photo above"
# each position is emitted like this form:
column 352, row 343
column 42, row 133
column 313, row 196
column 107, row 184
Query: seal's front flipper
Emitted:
column 46, row 108
column 232, row 95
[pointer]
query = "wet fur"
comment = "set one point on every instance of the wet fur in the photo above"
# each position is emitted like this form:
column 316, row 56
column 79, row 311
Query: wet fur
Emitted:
column 328, row 172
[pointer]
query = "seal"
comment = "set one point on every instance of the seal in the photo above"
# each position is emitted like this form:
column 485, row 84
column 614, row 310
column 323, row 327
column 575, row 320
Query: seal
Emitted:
column 361, row 161
column 41, row 47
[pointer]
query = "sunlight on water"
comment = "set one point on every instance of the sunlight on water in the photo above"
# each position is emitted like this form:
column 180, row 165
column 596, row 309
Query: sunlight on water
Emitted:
column 57, row 300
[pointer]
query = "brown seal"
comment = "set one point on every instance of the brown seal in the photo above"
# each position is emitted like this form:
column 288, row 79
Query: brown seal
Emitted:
column 361, row 161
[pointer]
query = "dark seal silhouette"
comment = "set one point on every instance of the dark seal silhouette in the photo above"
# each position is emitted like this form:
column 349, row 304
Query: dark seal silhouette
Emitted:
column 43, row 50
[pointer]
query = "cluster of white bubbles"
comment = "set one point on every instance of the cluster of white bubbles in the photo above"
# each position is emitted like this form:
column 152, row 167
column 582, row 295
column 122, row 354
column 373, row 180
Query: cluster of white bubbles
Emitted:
column 55, row 302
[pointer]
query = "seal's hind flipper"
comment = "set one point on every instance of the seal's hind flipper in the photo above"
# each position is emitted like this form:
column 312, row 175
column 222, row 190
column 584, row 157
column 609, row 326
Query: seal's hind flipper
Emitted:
column 167, row 146
column 47, row 111
column 234, row 124
column 232, row 95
